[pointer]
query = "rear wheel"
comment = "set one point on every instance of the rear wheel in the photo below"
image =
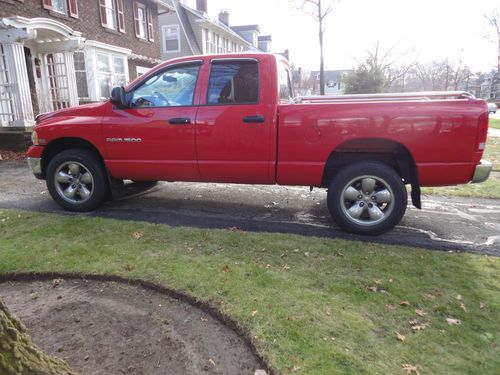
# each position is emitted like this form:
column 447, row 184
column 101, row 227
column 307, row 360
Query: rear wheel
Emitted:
column 76, row 180
column 367, row 198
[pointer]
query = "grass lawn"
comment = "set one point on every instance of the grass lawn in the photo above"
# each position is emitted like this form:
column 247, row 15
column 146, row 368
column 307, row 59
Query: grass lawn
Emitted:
column 313, row 305
column 494, row 123
column 488, row 189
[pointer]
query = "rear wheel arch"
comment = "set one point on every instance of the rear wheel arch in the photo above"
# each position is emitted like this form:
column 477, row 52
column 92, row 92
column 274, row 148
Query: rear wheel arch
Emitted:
column 385, row 151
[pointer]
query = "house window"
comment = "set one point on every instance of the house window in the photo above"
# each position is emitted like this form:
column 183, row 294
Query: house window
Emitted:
column 60, row 6
column 110, row 6
column 66, row 7
column 58, row 81
column 142, row 22
column 111, row 72
column 208, row 41
column 233, row 83
column 81, row 77
column 111, row 12
column 171, row 37
column 6, row 107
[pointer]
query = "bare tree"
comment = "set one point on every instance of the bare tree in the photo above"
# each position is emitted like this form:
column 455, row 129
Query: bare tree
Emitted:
column 319, row 10
column 382, row 69
column 438, row 75
column 494, row 21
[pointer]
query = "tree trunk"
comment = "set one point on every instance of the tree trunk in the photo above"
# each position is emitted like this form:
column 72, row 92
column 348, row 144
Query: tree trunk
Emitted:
column 19, row 355
column 321, row 60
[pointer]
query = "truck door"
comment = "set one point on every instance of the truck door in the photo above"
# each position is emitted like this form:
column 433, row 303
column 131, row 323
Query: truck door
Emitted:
column 154, row 139
column 235, row 128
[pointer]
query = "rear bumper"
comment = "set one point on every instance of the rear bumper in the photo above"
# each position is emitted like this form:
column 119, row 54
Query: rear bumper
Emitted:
column 482, row 171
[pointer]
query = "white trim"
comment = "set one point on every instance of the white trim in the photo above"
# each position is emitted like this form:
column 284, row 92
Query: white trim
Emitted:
column 41, row 23
column 164, row 39
column 176, row 5
column 108, row 47
column 141, row 70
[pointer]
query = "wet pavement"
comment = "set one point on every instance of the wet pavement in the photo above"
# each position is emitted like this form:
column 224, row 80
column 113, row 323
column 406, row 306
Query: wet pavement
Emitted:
column 444, row 223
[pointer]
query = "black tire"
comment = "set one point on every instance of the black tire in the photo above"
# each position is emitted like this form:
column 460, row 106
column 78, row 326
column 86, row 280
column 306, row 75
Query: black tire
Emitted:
column 375, row 218
column 96, row 191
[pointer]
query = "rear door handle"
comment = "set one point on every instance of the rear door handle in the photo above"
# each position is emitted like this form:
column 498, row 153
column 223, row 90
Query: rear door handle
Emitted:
column 250, row 119
column 179, row 121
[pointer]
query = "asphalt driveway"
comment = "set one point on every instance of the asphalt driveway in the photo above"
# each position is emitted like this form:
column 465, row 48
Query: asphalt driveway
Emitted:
column 444, row 223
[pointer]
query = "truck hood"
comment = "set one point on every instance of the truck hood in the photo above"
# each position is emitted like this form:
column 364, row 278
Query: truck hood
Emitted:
column 90, row 109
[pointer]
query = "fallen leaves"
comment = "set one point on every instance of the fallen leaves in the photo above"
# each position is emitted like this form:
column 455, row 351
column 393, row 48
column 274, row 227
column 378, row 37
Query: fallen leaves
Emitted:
column 404, row 303
column 400, row 337
column 453, row 322
column 226, row 268
column 420, row 312
column 482, row 305
column 57, row 282
column 463, row 307
column 138, row 235
column 254, row 313
column 411, row 369
column 417, row 325
column 7, row 155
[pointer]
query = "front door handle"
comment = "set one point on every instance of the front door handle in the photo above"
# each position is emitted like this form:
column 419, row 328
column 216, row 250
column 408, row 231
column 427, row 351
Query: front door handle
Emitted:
column 179, row 121
column 254, row 119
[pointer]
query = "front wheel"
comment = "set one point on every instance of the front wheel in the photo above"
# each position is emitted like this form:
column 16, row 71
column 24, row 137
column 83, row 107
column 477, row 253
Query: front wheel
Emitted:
column 76, row 180
column 367, row 198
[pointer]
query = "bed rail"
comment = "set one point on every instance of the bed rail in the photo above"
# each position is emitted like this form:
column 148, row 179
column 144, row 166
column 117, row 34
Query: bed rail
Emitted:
column 386, row 97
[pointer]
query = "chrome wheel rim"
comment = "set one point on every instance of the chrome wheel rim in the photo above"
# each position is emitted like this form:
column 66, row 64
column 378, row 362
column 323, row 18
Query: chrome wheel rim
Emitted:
column 367, row 200
column 74, row 182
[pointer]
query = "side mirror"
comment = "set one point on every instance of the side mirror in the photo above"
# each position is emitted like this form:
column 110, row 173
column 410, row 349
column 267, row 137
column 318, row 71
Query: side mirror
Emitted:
column 118, row 97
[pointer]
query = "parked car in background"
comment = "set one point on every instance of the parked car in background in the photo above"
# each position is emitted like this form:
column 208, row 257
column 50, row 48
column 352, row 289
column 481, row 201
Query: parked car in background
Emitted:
column 492, row 108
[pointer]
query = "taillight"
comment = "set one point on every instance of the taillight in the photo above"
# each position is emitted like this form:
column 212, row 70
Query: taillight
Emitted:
column 482, row 132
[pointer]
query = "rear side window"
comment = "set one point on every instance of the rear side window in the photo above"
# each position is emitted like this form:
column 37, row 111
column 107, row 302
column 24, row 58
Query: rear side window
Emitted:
column 233, row 82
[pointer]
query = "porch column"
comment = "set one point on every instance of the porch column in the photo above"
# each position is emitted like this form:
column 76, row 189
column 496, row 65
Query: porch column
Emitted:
column 16, row 66
column 70, row 71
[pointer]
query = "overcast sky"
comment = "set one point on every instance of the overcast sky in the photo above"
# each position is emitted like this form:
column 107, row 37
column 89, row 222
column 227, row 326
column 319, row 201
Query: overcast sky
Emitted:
column 433, row 29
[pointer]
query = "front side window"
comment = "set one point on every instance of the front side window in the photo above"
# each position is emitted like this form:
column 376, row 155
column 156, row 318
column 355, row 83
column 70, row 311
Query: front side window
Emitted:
column 169, row 88
column 233, row 82
column 171, row 37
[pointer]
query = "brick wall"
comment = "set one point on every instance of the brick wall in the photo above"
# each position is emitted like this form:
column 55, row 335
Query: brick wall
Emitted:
column 89, row 23
column 132, row 68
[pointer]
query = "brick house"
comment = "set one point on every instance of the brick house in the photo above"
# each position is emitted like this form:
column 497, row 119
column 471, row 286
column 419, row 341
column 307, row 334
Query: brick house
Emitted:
column 61, row 53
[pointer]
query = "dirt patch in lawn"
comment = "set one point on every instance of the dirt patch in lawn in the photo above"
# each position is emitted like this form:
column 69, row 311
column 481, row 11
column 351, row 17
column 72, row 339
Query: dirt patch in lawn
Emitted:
column 115, row 328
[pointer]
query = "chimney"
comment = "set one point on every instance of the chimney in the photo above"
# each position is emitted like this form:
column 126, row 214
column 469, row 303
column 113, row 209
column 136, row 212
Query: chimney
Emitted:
column 201, row 5
column 224, row 17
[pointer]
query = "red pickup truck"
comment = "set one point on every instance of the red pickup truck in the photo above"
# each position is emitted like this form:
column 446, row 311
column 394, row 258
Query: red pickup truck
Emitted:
column 233, row 118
